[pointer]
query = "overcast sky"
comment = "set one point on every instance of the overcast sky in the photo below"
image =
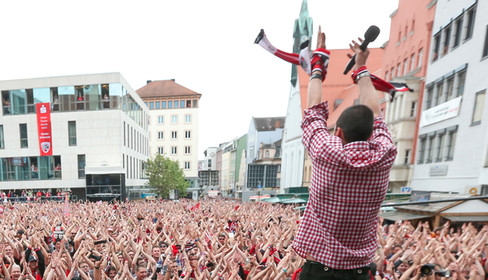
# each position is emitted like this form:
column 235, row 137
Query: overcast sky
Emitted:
column 205, row 45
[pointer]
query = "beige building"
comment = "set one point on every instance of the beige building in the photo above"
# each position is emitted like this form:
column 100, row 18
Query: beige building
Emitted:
column 173, row 124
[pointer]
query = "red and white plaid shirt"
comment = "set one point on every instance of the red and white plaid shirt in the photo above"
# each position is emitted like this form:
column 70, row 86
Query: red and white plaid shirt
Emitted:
column 348, row 185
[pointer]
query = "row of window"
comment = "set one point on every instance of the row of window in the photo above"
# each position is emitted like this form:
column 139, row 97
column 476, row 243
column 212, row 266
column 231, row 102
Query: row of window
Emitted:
column 409, row 64
column 445, row 88
column 174, row 135
column 174, row 150
column 135, row 140
column 449, row 37
column 133, row 166
column 174, row 119
column 73, row 98
column 437, row 146
column 172, row 104
column 36, row 168
column 396, row 110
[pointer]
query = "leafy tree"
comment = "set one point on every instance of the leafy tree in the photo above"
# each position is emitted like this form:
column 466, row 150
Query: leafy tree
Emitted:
column 165, row 174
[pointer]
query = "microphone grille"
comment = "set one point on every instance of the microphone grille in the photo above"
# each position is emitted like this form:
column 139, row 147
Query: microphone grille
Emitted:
column 372, row 32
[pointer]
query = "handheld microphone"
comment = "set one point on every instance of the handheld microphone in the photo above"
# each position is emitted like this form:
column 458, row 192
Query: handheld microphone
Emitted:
column 369, row 36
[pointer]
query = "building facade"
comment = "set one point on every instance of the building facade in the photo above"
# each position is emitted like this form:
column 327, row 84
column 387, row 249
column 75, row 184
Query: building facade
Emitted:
column 99, row 136
column 405, row 60
column 454, row 102
column 173, row 124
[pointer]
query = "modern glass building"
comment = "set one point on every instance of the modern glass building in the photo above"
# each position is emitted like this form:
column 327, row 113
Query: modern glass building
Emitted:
column 99, row 136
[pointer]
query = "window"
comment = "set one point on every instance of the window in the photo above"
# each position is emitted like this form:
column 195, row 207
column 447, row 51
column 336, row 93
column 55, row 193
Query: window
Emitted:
column 386, row 75
column 439, row 152
column 405, row 68
column 151, row 105
column 458, row 28
column 413, row 108
column 72, row 133
column 478, row 107
column 188, row 134
column 422, row 150
column 170, row 104
column 187, row 165
column 182, row 103
column 437, row 45
column 447, row 39
column 461, row 79
column 406, row 160
column 161, row 119
column 187, row 118
column 174, row 135
column 419, row 61
column 188, row 104
column 177, row 104
column 187, row 150
column 470, row 25
column 174, row 150
column 439, row 93
column 2, row 138
column 451, row 142
column 428, row 99
column 161, row 150
column 174, row 119
column 160, row 135
column 158, row 105
column 81, row 166
column 398, row 73
column 163, row 104
column 450, row 88
column 209, row 163
column 23, row 135
column 392, row 72
column 412, row 62
column 485, row 46
column 195, row 103
column 430, row 149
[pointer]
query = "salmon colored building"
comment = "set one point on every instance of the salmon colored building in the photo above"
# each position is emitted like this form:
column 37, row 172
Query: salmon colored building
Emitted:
column 338, row 90
column 405, row 59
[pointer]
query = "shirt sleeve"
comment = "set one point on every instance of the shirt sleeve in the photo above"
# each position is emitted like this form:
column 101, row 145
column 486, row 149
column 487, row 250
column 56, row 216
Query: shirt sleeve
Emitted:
column 381, row 133
column 316, row 137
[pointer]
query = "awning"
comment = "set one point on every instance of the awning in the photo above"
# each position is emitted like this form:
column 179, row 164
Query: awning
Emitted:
column 272, row 199
column 293, row 200
column 399, row 215
column 467, row 218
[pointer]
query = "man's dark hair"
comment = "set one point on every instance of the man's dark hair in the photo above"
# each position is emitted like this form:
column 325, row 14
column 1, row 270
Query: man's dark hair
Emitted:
column 356, row 123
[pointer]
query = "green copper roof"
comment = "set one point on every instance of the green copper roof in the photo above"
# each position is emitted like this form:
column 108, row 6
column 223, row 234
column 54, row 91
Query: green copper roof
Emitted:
column 301, row 31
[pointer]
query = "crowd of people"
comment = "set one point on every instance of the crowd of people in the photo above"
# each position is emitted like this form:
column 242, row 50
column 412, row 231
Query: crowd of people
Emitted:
column 212, row 239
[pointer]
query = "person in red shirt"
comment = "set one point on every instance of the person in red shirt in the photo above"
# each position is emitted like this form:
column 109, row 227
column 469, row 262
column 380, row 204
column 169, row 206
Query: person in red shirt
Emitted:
column 351, row 167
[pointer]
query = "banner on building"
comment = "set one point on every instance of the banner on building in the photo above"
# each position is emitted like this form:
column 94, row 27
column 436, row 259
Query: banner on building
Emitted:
column 44, row 128
column 444, row 111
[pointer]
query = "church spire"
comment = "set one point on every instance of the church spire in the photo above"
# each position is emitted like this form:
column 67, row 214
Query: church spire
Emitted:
column 302, row 31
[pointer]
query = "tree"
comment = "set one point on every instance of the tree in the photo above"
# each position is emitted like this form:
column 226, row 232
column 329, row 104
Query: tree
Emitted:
column 165, row 174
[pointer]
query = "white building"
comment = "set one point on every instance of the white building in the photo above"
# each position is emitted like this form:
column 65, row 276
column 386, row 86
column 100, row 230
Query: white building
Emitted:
column 173, row 124
column 99, row 136
column 452, row 143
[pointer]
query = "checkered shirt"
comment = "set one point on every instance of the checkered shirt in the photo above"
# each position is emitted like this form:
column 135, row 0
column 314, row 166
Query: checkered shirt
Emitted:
column 348, row 185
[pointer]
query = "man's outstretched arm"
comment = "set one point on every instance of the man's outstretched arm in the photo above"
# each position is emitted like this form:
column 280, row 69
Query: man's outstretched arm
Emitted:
column 367, row 93
column 314, row 94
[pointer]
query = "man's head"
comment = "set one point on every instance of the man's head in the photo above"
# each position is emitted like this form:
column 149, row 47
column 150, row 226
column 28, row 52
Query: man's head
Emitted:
column 15, row 271
column 141, row 272
column 32, row 262
column 355, row 124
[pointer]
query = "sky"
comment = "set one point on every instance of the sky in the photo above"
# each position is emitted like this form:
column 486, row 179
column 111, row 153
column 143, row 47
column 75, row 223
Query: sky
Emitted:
column 205, row 45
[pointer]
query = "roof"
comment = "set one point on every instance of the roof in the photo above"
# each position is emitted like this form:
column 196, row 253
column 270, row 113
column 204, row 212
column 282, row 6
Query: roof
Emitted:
column 435, row 207
column 165, row 88
column 269, row 124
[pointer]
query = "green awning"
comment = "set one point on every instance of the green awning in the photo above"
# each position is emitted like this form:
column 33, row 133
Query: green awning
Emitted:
column 293, row 200
column 272, row 199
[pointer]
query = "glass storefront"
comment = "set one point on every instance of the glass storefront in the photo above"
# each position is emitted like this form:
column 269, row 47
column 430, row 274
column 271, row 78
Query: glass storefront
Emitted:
column 30, row 168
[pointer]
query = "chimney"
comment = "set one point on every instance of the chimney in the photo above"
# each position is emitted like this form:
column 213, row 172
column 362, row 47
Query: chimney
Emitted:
column 148, row 81
column 173, row 80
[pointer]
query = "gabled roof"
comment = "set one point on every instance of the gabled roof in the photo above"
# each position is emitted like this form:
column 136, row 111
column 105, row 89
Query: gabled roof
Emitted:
column 165, row 88
column 269, row 124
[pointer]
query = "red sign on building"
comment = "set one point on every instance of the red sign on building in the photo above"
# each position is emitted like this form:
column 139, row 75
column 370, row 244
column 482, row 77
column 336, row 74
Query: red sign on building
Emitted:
column 44, row 128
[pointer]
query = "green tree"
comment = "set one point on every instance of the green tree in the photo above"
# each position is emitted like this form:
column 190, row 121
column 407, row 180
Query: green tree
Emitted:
column 165, row 174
